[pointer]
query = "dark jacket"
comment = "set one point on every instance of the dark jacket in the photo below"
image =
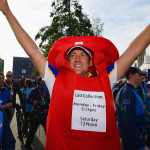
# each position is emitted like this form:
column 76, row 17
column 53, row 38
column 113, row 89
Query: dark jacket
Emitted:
column 16, row 90
column 131, row 116
column 39, row 94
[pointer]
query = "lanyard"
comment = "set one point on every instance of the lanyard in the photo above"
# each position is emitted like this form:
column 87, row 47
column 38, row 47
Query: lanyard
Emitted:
column 10, row 86
column 144, row 105
column 42, row 96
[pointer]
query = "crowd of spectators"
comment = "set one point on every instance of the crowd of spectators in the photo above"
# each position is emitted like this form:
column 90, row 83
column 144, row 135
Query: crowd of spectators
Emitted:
column 33, row 101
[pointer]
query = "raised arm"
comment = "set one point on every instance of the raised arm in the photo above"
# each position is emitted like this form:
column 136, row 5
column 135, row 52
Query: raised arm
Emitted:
column 134, row 50
column 24, row 39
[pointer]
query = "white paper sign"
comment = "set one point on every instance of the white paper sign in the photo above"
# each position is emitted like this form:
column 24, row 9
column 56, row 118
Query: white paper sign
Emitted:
column 89, row 111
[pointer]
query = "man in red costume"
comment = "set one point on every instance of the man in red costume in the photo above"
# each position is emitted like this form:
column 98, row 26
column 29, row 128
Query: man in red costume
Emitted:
column 81, row 113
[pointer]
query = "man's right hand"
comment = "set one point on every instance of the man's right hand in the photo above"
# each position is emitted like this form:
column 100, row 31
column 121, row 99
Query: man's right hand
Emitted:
column 24, row 39
column 4, row 6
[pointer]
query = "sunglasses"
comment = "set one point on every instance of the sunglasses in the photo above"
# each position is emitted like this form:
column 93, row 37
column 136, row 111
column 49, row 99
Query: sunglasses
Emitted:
column 8, row 75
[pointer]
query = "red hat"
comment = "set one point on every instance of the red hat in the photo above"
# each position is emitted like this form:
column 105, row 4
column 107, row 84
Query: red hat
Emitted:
column 103, row 51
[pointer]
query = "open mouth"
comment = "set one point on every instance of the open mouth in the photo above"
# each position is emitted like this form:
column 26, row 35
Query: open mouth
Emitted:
column 77, row 65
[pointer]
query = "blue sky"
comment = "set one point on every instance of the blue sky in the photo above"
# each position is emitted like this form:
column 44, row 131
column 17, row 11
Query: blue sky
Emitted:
column 123, row 21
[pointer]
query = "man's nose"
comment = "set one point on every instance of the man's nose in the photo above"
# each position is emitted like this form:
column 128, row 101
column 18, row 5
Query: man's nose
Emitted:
column 77, row 58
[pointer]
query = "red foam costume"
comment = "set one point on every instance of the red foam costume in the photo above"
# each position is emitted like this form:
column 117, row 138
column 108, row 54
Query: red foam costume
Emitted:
column 60, row 135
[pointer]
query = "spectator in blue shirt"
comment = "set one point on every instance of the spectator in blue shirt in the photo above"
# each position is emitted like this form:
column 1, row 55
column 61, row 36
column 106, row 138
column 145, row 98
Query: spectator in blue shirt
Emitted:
column 131, row 114
column 7, row 140
column 5, row 99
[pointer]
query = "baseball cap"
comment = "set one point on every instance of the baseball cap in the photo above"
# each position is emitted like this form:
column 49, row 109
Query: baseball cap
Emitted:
column 39, row 79
column 134, row 70
column 80, row 48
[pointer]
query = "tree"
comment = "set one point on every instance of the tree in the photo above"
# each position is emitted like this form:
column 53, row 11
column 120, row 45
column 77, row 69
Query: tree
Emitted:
column 97, row 27
column 35, row 73
column 67, row 20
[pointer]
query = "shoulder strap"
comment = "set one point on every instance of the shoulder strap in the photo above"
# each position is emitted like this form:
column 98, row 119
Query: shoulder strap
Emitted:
column 25, row 90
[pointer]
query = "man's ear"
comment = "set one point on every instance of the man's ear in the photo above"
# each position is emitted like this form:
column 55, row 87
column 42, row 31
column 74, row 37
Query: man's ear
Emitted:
column 131, row 75
column 91, row 63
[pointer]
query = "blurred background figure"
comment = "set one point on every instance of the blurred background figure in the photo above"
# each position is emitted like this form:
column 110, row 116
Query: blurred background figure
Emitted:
column 7, row 140
column 13, row 88
column 28, row 87
column 5, row 99
column 131, row 111
column 39, row 98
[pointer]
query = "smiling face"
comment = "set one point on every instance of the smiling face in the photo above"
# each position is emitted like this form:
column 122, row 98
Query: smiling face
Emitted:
column 80, row 62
